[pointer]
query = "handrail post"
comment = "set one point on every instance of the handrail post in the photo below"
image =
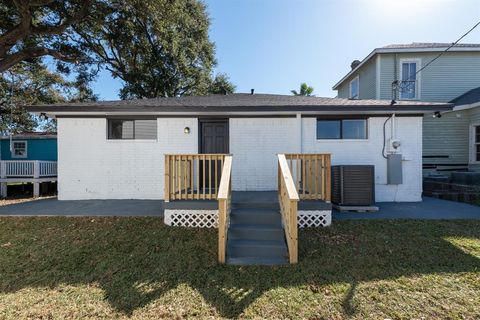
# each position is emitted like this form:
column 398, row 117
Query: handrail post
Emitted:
column 36, row 175
column 166, row 187
column 328, row 179
column 224, row 198
column 222, row 221
column 3, row 175
column 293, row 254
column 288, row 197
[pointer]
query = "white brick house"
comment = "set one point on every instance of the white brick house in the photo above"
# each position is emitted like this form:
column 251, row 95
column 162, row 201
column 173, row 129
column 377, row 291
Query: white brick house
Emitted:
column 116, row 150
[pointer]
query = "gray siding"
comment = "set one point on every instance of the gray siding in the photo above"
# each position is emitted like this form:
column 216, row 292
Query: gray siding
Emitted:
column 367, row 81
column 453, row 74
column 446, row 136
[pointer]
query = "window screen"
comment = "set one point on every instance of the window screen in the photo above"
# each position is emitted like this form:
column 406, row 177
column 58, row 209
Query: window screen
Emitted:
column 132, row 129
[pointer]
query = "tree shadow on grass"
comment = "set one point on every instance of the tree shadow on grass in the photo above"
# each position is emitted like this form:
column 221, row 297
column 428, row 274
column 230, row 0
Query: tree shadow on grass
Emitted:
column 137, row 260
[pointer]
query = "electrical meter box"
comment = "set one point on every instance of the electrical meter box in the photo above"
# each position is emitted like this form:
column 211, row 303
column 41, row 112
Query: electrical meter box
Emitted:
column 394, row 169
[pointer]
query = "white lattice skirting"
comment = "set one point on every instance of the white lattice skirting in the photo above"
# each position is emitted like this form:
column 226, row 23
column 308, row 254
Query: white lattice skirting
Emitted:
column 191, row 218
column 310, row 218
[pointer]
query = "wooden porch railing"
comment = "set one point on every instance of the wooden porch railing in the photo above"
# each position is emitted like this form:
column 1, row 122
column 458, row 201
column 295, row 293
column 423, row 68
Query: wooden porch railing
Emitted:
column 311, row 175
column 288, row 198
column 224, row 207
column 192, row 176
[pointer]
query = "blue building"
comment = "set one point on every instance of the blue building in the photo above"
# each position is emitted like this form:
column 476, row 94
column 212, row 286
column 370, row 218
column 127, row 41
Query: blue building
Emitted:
column 28, row 158
column 29, row 146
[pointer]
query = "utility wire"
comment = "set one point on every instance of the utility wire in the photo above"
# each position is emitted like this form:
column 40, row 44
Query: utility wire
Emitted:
column 398, row 85
column 449, row 47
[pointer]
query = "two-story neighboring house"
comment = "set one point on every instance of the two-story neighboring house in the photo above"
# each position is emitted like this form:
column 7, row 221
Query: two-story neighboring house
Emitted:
column 451, row 140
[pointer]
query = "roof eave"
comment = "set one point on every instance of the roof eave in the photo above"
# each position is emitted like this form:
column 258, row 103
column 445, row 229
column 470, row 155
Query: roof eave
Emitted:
column 242, row 111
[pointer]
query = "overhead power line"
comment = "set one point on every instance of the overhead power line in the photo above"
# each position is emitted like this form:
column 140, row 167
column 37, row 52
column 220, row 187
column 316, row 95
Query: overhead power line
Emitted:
column 448, row 48
column 399, row 85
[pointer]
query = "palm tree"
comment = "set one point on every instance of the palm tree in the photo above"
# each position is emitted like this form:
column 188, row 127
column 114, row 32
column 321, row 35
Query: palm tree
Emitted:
column 305, row 90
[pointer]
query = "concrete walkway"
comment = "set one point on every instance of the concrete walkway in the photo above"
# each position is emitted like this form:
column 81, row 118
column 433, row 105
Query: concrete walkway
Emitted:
column 429, row 208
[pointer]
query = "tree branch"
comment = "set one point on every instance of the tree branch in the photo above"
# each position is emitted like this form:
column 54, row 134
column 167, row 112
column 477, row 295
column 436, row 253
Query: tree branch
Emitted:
column 61, row 27
column 35, row 52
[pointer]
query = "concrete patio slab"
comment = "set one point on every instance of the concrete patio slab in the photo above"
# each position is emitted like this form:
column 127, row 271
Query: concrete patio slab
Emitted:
column 429, row 208
column 54, row 207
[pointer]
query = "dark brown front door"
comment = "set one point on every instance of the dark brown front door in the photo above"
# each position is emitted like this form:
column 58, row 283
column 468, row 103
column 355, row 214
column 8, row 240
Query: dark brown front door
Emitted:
column 213, row 139
column 214, row 136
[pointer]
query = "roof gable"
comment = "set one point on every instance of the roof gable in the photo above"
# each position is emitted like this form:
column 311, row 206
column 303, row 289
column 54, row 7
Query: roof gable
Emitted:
column 412, row 47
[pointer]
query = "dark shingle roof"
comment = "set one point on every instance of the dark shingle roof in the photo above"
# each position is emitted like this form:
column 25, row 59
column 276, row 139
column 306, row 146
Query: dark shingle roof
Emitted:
column 468, row 97
column 32, row 135
column 227, row 103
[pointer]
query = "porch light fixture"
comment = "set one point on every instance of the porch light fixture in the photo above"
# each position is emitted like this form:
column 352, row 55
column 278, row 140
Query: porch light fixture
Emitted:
column 186, row 130
column 43, row 116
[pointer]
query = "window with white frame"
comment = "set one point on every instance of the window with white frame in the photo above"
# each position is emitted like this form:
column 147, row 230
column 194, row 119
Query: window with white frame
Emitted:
column 354, row 88
column 409, row 79
column 476, row 144
column 19, row 149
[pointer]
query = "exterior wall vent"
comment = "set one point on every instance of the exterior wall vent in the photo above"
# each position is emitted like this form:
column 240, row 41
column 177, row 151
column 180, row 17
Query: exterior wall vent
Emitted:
column 353, row 185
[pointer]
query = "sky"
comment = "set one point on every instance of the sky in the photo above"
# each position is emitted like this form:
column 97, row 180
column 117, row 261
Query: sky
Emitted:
column 274, row 45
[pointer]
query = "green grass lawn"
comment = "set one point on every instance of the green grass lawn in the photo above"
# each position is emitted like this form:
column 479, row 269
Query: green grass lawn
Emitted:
column 139, row 268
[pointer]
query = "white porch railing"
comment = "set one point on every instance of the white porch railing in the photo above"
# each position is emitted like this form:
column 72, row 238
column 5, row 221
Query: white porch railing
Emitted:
column 27, row 169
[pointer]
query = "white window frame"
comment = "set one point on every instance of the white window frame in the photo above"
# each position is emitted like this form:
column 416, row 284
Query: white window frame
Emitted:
column 471, row 146
column 418, row 63
column 13, row 149
column 357, row 78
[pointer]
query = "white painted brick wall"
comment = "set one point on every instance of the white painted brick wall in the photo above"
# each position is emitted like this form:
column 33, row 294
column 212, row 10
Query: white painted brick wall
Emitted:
column 92, row 167
column 409, row 131
column 255, row 143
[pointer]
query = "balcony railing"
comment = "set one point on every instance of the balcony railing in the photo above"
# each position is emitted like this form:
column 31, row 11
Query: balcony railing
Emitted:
column 27, row 169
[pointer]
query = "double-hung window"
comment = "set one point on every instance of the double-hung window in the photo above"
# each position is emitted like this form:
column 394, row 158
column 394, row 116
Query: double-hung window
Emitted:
column 129, row 129
column 409, row 79
column 354, row 88
column 19, row 149
column 476, row 144
column 341, row 129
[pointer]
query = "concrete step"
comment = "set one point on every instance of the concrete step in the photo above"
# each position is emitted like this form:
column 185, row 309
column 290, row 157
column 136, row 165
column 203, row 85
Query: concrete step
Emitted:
column 256, row 248
column 255, row 216
column 256, row 232
column 247, row 261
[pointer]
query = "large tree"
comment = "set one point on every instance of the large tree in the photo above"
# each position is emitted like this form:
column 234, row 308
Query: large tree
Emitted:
column 34, row 83
column 30, row 29
column 158, row 48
